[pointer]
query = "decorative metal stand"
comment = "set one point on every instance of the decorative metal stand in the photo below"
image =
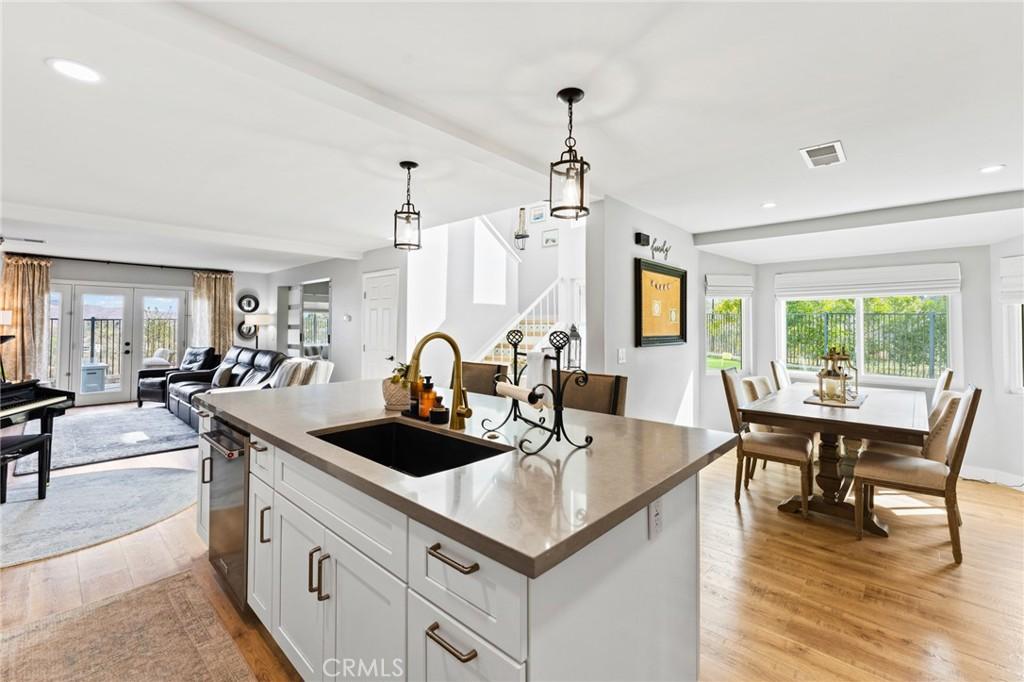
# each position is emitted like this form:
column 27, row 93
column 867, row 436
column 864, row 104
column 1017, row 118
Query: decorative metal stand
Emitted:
column 559, row 340
column 514, row 337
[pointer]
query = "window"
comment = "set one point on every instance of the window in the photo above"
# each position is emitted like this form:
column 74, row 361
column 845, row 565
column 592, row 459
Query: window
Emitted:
column 896, row 336
column 723, row 341
column 316, row 326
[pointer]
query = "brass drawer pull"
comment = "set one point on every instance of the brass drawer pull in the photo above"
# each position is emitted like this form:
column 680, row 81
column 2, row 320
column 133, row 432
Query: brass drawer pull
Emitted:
column 320, row 596
column 205, row 477
column 258, row 448
column 263, row 539
column 309, row 579
column 435, row 551
column 441, row 642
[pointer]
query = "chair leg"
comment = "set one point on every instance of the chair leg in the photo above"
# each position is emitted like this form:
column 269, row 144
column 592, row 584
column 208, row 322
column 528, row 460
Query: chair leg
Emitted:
column 954, row 529
column 859, row 502
column 741, row 472
column 764, row 464
column 804, row 491
column 959, row 518
column 871, row 497
column 3, row 482
column 140, row 403
column 751, row 468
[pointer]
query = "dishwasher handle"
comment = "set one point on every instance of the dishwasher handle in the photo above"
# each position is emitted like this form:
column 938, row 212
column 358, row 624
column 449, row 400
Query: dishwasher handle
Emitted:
column 229, row 453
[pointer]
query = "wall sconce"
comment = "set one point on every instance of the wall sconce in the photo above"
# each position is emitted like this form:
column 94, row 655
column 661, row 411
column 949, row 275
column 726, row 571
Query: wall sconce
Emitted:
column 521, row 234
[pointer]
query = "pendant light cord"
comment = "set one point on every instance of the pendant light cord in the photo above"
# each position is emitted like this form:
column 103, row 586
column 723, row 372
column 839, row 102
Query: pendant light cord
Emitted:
column 408, row 185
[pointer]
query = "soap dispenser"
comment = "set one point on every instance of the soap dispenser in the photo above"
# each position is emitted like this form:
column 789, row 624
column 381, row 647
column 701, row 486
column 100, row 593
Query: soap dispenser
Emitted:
column 427, row 397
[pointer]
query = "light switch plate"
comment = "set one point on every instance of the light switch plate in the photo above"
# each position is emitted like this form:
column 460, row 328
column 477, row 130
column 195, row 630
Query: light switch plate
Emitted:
column 622, row 356
column 655, row 519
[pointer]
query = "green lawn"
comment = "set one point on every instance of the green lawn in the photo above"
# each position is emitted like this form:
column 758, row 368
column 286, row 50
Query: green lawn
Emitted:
column 717, row 362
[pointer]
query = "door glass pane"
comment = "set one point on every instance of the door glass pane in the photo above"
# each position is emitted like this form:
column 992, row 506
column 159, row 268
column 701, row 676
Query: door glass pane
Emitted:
column 814, row 326
column 160, row 316
column 102, row 334
column 52, row 339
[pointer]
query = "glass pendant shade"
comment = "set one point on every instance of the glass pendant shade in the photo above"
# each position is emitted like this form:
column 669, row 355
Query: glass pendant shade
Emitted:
column 407, row 228
column 570, row 191
column 407, row 218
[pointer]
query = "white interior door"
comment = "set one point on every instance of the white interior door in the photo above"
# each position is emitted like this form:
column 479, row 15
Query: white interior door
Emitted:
column 159, row 326
column 380, row 323
column 101, row 344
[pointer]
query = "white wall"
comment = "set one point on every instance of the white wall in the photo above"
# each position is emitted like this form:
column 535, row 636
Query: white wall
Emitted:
column 346, row 300
column 995, row 445
column 713, row 412
column 664, row 382
column 1007, row 407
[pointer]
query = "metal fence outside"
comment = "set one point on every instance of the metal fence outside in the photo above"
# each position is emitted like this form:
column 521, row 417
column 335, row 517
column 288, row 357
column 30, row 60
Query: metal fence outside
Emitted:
column 724, row 333
column 102, row 341
column 895, row 344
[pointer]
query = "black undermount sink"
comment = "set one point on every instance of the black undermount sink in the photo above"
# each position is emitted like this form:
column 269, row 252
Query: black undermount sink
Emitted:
column 411, row 450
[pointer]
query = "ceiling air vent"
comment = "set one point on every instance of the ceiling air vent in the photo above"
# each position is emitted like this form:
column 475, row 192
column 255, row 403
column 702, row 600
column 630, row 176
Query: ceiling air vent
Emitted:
column 823, row 154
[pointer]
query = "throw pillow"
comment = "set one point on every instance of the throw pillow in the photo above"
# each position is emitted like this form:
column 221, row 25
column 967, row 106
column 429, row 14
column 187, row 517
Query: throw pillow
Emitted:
column 222, row 377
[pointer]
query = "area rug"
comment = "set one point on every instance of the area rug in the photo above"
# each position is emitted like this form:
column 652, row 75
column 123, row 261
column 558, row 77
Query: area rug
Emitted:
column 85, row 509
column 164, row 631
column 99, row 436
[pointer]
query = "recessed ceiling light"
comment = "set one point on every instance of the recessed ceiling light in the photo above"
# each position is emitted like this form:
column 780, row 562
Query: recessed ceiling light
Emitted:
column 70, row 69
column 993, row 169
column 768, row 204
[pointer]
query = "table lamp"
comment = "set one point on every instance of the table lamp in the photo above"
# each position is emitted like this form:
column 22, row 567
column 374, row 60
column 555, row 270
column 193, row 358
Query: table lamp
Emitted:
column 259, row 320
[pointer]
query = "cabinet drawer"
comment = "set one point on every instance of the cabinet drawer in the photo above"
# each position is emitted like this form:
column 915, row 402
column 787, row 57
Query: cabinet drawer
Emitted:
column 430, row 661
column 372, row 527
column 261, row 459
column 479, row 592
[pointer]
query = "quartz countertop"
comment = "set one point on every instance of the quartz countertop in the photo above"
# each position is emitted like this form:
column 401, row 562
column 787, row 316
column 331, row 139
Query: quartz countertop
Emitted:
column 528, row 512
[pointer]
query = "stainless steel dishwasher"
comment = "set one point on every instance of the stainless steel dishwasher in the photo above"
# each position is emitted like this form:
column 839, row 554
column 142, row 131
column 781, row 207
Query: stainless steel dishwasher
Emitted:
column 226, row 471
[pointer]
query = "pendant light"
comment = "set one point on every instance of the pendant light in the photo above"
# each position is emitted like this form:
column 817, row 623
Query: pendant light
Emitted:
column 521, row 235
column 407, row 218
column 569, row 192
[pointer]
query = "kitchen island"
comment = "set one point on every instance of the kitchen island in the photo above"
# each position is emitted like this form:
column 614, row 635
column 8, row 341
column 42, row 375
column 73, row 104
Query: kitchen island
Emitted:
column 567, row 564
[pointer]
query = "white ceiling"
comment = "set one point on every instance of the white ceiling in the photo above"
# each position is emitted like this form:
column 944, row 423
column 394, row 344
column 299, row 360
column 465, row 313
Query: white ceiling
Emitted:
column 283, row 122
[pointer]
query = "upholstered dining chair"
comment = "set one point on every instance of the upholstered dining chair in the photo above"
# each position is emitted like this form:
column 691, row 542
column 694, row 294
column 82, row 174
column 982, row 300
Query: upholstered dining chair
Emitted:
column 755, row 388
column 785, row 448
column 605, row 393
column 935, row 473
column 940, row 397
column 478, row 377
column 780, row 374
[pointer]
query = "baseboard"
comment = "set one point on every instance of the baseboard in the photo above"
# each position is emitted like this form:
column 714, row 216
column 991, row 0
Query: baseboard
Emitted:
column 992, row 476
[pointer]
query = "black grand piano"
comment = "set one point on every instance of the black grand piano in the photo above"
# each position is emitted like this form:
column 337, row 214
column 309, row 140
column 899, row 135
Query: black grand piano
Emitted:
column 26, row 400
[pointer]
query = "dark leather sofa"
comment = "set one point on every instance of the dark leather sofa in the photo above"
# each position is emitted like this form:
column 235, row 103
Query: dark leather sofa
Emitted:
column 152, row 384
column 240, row 367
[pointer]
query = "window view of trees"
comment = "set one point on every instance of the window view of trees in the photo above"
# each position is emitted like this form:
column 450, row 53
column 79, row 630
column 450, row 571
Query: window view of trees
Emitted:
column 315, row 328
column 724, row 329
column 906, row 336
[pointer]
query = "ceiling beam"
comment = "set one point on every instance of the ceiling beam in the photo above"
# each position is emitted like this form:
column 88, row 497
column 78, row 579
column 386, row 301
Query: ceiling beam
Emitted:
column 982, row 203
column 17, row 213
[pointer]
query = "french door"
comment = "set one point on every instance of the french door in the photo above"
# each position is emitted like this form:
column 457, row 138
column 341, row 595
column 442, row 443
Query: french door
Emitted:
column 99, row 337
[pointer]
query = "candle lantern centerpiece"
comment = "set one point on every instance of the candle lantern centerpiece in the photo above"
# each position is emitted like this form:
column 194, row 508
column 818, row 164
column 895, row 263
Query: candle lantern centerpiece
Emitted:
column 834, row 377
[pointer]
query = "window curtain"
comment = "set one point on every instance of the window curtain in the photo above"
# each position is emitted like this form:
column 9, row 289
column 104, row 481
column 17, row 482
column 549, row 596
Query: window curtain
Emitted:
column 212, row 312
column 24, row 291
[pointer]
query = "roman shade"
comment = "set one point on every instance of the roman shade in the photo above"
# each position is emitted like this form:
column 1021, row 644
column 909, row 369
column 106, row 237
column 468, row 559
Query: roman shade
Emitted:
column 924, row 279
column 1011, row 280
column 728, row 286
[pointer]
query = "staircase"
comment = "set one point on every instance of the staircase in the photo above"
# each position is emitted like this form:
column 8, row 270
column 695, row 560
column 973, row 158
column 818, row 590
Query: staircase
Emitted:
column 536, row 322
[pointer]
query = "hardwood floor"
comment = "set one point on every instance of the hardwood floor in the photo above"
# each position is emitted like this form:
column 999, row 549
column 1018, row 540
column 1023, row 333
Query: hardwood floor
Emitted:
column 783, row 598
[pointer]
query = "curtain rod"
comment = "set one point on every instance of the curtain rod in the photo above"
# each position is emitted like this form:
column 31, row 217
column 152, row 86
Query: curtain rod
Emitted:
column 121, row 262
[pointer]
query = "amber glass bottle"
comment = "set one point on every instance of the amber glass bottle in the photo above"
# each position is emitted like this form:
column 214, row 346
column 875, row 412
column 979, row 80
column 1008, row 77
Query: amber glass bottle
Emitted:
column 427, row 396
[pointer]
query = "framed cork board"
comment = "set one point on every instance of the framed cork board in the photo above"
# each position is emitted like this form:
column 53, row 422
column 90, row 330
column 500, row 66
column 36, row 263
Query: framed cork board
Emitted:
column 660, row 304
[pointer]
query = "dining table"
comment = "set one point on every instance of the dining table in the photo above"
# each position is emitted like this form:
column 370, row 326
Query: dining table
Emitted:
column 883, row 414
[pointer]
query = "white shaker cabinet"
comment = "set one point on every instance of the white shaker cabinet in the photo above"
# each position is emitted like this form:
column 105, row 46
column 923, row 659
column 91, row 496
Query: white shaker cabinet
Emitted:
column 365, row 616
column 298, row 616
column 203, row 492
column 260, row 564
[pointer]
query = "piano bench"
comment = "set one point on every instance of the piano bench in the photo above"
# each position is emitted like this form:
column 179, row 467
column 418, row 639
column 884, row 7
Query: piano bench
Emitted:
column 16, row 447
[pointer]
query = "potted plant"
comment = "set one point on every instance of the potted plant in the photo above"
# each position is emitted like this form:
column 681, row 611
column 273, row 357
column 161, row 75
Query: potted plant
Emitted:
column 396, row 388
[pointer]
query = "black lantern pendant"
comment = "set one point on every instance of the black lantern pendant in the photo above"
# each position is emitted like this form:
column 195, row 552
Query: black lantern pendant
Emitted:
column 407, row 218
column 521, row 235
column 575, row 348
column 569, row 190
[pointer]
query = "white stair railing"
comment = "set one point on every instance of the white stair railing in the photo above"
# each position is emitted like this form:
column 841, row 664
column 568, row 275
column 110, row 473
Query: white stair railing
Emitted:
column 536, row 321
